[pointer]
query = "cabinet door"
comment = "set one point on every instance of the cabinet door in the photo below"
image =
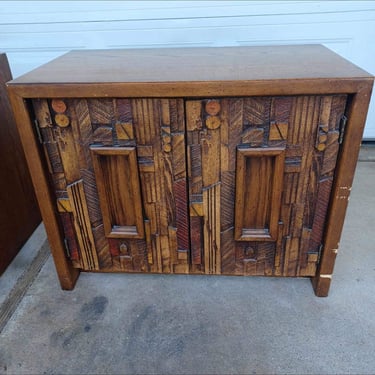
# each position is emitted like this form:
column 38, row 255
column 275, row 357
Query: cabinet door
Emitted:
column 260, row 173
column 118, row 169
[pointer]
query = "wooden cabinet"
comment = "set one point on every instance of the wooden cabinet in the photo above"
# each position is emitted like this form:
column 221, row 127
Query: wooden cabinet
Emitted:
column 235, row 161
column 19, row 215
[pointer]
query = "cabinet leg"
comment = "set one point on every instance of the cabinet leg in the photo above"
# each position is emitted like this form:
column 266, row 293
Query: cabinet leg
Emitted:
column 321, row 284
column 68, row 279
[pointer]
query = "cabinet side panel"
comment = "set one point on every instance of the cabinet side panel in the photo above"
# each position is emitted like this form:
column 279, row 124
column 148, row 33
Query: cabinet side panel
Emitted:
column 356, row 112
column 19, row 210
column 39, row 174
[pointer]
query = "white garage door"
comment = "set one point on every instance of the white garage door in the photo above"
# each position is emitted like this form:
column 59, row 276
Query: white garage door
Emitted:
column 34, row 32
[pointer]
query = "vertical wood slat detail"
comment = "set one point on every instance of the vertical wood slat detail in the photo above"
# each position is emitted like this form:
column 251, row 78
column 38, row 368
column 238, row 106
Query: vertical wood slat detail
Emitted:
column 181, row 211
column 211, row 230
column 82, row 225
column 259, row 180
column 159, row 133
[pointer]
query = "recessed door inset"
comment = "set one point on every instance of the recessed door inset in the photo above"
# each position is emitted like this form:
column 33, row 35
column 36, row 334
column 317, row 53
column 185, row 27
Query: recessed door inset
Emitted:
column 116, row 173
column 259, row 183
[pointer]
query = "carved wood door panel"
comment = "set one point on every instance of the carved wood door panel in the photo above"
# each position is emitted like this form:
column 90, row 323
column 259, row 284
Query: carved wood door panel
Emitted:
column 118, row 169
column 260, row 173
column 245, row 184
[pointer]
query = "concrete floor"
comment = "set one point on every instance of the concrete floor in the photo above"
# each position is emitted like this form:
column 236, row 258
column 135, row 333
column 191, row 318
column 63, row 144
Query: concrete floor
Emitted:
column 145, row 324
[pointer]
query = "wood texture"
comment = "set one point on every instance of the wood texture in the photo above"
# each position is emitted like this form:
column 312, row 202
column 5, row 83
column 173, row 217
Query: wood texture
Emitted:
column 204, row 64
column 117, row 179
column 38, row 168
column 82, row 225
column 191, row 72
column 270, row 182
column 19, row 214
column 211, row 229
column 185, row 130
column 132, row 185
column 259, row 183
column 277, row 134
column 356, row 114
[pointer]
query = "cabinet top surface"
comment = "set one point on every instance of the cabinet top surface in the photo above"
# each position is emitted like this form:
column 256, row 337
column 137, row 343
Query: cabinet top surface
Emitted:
column 194, row 65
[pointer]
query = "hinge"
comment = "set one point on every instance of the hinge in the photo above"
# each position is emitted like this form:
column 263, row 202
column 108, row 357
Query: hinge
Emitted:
column 343, row 122
column 320, row 252
column 36, row 123
column 67, row 247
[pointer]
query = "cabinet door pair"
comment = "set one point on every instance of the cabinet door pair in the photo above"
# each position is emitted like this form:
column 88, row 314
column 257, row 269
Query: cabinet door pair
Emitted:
column 218, row 186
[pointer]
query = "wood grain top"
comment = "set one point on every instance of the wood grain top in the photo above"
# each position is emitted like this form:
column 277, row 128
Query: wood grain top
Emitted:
column 194, row 65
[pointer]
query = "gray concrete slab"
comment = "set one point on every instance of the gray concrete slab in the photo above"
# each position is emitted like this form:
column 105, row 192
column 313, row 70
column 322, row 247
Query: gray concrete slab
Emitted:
column 367, row 152
column 154, row 324
column 21, row 262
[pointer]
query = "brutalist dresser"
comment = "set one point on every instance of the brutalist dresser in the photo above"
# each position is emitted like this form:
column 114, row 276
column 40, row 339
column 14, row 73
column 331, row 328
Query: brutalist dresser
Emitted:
column 223, row 161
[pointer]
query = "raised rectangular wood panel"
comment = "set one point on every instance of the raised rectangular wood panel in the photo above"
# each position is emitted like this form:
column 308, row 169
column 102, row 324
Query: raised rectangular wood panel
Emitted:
column 259, row 183
column 117, row 180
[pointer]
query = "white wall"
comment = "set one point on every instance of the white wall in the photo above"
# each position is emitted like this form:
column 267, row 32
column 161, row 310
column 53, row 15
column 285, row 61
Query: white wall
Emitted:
column 34, row 32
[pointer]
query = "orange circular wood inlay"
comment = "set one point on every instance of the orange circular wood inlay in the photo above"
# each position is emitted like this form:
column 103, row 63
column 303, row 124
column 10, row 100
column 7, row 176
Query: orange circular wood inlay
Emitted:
column 167, row 147
column 213, row 122
column 321, row 147
column 167, row 139
column 323, row 138
column 212, row 107
column 62, row 120
column 58, row 105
